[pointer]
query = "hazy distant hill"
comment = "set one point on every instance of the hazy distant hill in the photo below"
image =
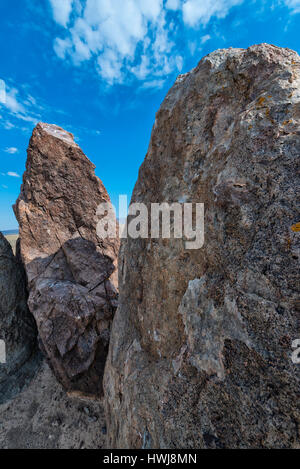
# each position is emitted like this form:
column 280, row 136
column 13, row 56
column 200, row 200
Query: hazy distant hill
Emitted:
column 12, row 237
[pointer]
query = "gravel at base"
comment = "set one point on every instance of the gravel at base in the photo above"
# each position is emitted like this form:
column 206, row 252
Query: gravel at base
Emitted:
column 43, row 416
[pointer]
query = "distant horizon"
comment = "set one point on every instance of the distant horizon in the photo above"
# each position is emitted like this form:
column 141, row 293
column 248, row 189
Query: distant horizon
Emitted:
column 10, row 232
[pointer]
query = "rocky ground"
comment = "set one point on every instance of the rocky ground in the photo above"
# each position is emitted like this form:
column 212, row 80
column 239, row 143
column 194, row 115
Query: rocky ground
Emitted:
column 43, row 416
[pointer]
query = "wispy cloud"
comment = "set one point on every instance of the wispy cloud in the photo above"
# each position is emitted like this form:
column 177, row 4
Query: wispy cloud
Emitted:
column 13, row 174
column 11, row 150
column 18, row 105
column 7, row 124
column 205, row 38
column 2, row 91
column 198, row 12
column 61, row 10
column 154, row 84
column 130, row 39
column 294, row 5
column 173, row 4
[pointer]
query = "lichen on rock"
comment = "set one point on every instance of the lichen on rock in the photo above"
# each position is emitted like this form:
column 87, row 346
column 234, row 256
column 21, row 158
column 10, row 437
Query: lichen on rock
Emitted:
column 200, row 352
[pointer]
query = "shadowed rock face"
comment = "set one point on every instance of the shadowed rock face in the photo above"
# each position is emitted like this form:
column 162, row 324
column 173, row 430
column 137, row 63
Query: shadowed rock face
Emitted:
column 71, row 272
column 200, row 351
column 17, row 327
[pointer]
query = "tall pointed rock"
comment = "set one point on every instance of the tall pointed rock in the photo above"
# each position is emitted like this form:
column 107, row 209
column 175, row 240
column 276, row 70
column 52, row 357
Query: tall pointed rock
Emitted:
column 71, row 271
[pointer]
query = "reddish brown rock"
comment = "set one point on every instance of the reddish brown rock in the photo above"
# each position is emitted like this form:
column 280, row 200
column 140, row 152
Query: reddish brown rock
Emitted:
column 201, row 345
column 71, row 272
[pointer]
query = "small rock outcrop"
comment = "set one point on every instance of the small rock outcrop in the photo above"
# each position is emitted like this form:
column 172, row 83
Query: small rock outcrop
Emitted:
column 71, row 272
column 201, row 344
column 19, row 356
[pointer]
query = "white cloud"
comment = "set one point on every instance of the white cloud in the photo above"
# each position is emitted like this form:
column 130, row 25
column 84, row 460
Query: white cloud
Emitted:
column 293, row 5
column 129, row 39
column 173, row 4
column 200, row 12
column 154, row 84
column 12, row 103
column 8, row 125
column 110, row 65
column 12, row 174
column 205, row 38
column 11, row 150
column 62, row 10
column 112, row 32
column 21, row 108
column 61, row 46
column 143, row 68
column 19, row 105
column 2, row 91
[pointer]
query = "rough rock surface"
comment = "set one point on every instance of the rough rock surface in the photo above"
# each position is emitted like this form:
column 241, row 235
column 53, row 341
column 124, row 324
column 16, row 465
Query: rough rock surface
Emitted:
column 43, row 416
column 200, row 353
column 17, row 327
column 71, row 271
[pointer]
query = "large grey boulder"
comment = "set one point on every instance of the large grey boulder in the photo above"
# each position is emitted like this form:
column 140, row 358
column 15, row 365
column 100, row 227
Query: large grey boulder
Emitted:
column 17, row 326
column 201, row 344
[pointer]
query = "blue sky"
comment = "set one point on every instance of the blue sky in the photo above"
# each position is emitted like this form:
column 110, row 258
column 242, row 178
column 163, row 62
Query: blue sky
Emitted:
column 101, row 68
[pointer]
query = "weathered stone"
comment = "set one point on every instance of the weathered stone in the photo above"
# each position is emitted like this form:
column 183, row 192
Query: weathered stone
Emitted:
column 19, row 358
column 71, row 271
column 44, row 416
column 201, row 345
